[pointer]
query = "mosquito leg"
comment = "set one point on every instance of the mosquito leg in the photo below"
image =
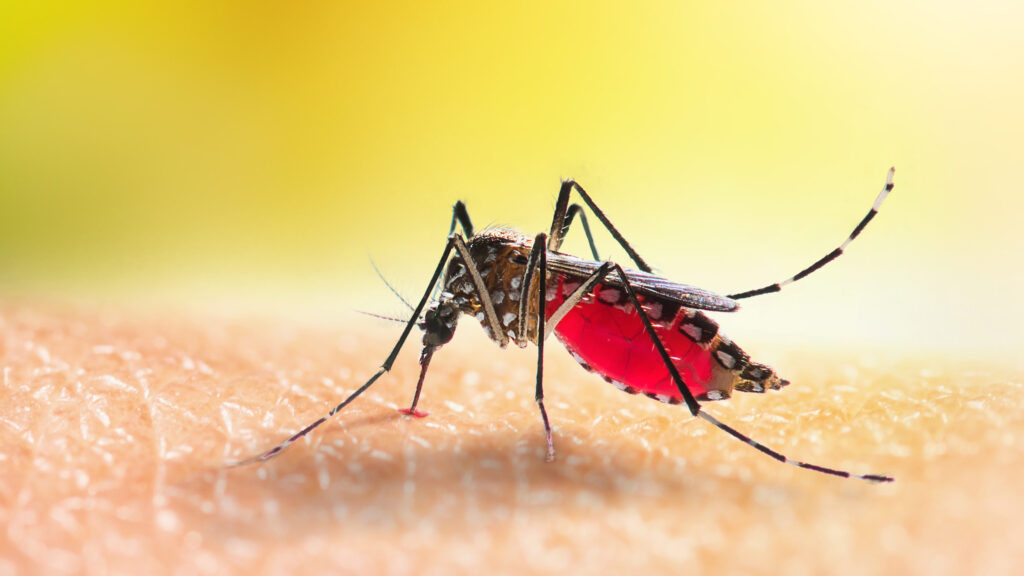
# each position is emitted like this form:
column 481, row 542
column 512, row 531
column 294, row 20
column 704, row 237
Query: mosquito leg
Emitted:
column 385, row 367
column 461, row 215
column 785, row 460
column 577, row 210
column 538, row 260
column 696, row 409
column 831, row 255
column 691, row 401
column 561, row 220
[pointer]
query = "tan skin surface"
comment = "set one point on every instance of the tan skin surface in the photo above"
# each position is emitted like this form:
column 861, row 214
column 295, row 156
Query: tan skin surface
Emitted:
column 116, row 425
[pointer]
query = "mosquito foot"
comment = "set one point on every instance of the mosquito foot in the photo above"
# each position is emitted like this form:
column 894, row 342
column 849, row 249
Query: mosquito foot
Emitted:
column 413, row 412
column 550, row 456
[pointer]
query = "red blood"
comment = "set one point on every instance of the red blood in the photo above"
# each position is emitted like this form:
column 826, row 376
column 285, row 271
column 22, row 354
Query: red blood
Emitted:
column 611, row 339
column 416, row 413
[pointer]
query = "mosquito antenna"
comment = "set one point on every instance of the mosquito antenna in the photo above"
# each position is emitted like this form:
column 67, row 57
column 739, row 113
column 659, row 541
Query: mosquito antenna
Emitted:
column 388, row 284
column 385, row 367
column 382, row 317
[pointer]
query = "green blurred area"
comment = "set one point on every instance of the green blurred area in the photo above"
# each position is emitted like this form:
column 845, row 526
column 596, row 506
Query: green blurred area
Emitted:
column 261, row 150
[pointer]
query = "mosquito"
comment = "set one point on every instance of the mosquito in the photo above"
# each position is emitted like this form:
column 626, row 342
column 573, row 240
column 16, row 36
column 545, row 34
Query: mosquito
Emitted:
column 642, row 333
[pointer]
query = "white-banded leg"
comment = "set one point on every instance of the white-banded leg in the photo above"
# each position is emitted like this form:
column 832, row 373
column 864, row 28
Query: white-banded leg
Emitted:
column 385, row 367
column 561, row 220
column 697, row 410
column 831, row 255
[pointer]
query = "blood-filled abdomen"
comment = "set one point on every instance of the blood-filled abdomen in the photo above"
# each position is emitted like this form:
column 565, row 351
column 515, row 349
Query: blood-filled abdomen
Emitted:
column 606, row 335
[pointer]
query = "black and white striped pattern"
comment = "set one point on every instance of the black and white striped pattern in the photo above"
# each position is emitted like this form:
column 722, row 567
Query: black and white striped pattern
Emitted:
column 782, row 458
column 697, row 410
column 831, row 255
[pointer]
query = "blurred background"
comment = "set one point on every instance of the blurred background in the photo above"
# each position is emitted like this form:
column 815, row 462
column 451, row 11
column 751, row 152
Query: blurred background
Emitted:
column 253, row 155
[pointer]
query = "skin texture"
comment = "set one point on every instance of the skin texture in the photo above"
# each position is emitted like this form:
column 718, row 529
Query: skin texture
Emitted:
column 116, row 424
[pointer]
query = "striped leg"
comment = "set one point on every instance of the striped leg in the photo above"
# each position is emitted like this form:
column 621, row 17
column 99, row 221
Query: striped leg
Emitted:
column 696, row 409
column 831, row 255
column 385, row 367
column 782, row 458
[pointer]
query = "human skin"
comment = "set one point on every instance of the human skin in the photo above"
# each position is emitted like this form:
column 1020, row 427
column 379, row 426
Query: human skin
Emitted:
column 118, row 424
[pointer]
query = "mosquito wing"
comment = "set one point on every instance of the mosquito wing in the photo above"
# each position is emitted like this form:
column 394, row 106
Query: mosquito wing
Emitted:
column 644, row 283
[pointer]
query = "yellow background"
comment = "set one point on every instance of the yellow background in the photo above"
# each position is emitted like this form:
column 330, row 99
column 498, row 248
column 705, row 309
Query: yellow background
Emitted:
column 254, row 153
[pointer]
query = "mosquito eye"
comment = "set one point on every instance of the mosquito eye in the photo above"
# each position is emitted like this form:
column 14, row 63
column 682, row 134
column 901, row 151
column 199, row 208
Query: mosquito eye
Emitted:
column 519, row 259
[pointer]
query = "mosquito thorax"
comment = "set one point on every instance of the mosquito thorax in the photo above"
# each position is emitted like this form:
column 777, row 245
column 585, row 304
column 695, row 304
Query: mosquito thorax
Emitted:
column 500, row 257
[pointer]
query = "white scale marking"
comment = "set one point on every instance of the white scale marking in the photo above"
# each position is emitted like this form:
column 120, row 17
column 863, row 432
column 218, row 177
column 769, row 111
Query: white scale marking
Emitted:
column 692, row 330
column 885, row 190
column 579, row 358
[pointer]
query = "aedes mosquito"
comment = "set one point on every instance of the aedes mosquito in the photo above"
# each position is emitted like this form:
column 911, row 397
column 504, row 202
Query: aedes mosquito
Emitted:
column 640, row 332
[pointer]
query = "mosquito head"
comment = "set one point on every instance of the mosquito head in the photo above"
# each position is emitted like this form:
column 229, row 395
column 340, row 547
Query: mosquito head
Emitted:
column 439, row 322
